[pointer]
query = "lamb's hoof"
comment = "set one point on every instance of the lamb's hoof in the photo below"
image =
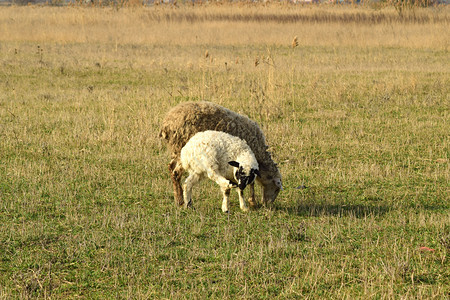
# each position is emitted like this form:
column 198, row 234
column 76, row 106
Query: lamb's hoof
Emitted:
column 188, row 204
column 244, row 209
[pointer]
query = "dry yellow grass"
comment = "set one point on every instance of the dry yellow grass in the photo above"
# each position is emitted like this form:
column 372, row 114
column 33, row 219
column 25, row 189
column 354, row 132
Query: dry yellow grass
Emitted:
column 356, row 115
column 222, row 26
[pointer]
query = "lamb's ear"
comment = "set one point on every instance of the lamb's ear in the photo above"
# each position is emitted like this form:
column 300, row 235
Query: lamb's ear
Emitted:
column 234, row 163
column 257, row 173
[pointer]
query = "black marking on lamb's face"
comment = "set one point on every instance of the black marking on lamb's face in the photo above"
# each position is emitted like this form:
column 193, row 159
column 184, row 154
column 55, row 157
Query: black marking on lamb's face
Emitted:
column 234, row 163
column 245, row 179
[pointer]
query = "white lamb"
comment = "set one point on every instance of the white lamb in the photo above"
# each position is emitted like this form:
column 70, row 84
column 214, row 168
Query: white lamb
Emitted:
column 224, row 158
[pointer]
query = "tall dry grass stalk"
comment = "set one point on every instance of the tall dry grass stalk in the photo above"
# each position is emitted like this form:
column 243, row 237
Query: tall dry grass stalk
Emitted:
column 295, row 42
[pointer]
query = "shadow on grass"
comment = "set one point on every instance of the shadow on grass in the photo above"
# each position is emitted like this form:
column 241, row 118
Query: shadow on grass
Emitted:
column 339, row 210
column 310, row 209
column 340, row 201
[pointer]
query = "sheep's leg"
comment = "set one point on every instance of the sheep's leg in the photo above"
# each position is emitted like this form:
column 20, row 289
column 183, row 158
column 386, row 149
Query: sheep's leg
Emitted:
column 188, row 184
column 225, row 201
column 176, row 171
column 252, row 199
column 242, row 202
column 225, row 186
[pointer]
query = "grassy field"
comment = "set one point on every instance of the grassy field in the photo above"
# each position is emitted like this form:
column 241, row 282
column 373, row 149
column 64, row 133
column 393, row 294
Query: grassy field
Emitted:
column 357, row 115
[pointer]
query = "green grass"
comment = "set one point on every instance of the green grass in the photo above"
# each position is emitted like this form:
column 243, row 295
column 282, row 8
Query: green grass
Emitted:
column 360, row 134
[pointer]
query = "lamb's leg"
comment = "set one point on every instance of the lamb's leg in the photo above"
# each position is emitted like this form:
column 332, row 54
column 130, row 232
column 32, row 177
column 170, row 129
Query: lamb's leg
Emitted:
column 188, row 184
column 252, row 199
column 225, row 201
column 176, row 171
column 242, row 202
column 225, row 186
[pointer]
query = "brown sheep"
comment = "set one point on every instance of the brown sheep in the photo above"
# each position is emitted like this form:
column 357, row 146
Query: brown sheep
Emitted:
column 186, row 119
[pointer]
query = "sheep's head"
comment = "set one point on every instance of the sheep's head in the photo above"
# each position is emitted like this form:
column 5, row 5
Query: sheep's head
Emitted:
column 271, row 186
column 244, row 176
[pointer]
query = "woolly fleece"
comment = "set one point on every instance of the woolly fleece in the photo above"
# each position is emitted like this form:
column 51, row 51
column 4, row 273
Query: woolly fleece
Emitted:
column 210, row 151
column 186, row 119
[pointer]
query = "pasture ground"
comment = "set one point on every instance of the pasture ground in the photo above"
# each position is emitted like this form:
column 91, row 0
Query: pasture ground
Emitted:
column 356, row 115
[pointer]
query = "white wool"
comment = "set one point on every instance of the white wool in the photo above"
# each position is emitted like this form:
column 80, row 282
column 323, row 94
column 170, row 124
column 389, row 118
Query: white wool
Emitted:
column 208, row 153
column 212, row 150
